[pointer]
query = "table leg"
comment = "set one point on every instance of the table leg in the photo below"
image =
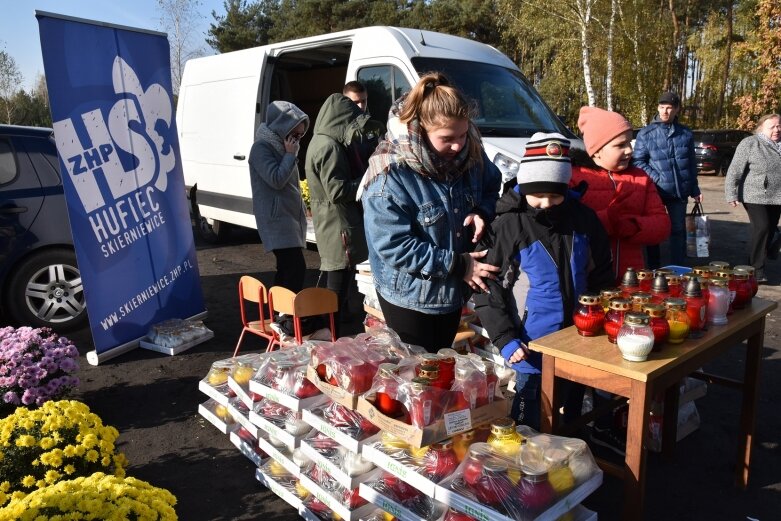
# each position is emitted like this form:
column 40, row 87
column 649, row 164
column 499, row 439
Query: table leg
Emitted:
column 548, row 416
column 670, row 422
column 749, row 405
column 637, row 425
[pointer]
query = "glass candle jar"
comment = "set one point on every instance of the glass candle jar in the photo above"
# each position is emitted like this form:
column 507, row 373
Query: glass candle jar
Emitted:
column 660, row 290
column 461, row 443
column 589, row 317
column 719, row 265
column 751, row 277
column 504, row 439
column 630, row 283
column 493, row 488
column 704, row 272
column 615, row 317
column 440, row 461
column 242, row 373
column 392, row 443
column 696, row 308
column 718, row 301
column 355, row 464
column 447, row 371
column 356, row 376
column 729, row 275
column 422, row 402
column 580, row 462
column 468, row 389
column 635, row 339
column 455, row 515
column 639, row 300
column 473, row 468
column 491, row 381
column 429, row 371
column 657, row 314
column 743, row 289
column 559, row 474
column 534, row 491
column 678, row 320
column 674, row 284
column 646, row 278
column 387, row 390
column 606, row 295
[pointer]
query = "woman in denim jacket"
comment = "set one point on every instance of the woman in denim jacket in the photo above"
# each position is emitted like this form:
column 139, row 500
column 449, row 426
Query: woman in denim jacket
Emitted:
column 429, row 193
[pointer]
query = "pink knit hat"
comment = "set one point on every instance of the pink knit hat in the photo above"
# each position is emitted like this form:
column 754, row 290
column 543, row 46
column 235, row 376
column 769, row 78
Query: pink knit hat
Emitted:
column 600, row 126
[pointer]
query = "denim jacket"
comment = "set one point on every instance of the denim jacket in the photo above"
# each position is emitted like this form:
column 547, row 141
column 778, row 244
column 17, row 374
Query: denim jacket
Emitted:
column 415, row 229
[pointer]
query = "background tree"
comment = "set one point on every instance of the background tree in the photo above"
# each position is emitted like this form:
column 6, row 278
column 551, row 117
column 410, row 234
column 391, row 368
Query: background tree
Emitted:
column 242, row 26
column 179, row 18
column 10, row 79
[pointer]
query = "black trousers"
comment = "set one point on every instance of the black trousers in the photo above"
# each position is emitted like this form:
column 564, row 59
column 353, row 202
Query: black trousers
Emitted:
column 764, row 220
column 431, row 332
column 291, row 268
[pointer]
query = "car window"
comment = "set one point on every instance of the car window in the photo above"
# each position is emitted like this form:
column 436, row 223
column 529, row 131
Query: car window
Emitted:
column 384, row 83
column 7, row 162
column 703, row 137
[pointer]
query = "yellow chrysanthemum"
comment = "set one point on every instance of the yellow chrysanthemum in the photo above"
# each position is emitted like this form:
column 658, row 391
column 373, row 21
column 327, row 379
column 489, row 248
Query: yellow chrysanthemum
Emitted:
column 46, row 443
column 28, row 481
column 91, row 456
column 25, row 441
column 69, row 451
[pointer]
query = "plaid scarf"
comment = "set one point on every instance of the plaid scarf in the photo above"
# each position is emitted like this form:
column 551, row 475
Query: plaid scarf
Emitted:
column 405, row 145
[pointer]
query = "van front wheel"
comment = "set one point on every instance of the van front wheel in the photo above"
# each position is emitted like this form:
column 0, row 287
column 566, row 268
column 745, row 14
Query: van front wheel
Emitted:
column 214, row 233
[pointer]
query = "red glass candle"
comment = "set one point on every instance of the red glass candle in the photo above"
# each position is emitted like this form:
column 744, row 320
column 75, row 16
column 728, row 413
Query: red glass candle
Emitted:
column 401, row 490
column 658, row 324
column 356, row 376
column 473, row 468
column 493, row 487
column 630, row 283
column 646, row 278
column 674, row 284
column 534, row 491
column 660, row 290
column 639, row 300
column 440, row 460
column 751, row 277
column 589, row 317
column 387, row 391
column 423, row 402
column 447, row 371
column 491, row 380
column 615, row 317
column 455, row 515
column 696, row 308
column 743, row 289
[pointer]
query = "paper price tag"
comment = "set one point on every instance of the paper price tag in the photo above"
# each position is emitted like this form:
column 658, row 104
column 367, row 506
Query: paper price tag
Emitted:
column 458, row 421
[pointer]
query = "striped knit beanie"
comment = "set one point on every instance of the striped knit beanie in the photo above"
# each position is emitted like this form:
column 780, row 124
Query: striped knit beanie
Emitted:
column 545, row 166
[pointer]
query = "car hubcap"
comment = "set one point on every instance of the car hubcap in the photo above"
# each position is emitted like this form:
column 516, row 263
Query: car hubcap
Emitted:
column 55, row 293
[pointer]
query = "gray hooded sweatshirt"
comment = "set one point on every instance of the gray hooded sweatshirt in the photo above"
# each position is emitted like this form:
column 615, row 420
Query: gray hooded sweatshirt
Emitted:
column 279, row 211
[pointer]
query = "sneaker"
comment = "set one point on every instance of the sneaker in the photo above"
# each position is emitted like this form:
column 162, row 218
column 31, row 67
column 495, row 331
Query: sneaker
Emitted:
column 775, row 246
column 611, row 439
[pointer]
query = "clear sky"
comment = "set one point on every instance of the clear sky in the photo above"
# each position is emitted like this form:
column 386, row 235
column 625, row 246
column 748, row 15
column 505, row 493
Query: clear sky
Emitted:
column 19, row 27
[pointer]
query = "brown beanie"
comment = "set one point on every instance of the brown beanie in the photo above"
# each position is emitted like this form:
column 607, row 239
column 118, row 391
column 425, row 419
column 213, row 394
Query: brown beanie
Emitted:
column 600, row 126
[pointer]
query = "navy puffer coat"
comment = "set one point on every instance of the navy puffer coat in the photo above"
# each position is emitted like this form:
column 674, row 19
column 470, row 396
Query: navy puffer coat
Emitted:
column 666, row 152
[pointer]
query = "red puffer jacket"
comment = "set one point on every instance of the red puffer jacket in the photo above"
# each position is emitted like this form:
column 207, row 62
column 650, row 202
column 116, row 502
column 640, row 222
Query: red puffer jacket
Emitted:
column 629, row 208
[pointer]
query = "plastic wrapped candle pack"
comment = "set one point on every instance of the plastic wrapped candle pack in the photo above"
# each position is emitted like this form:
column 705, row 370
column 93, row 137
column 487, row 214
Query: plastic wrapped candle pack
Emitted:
column 285, row 371
column 349, row 498
column 351, row 463
column 418, row 503
column 346, row 421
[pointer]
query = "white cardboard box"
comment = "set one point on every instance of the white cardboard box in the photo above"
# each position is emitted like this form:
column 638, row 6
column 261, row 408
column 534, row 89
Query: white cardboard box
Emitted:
column 336, row 504
column 284, row 494
column 220, row 393
column 207, row 410
column 333, row 470
column 291, row 402
column 278, row 432
column 486, row 513
column 245, row 395
column 390, row 506
column 283, row 456
column 332, row 432
column 146, row 344
column 246, row 448
column 406, row 473
column 240, row 413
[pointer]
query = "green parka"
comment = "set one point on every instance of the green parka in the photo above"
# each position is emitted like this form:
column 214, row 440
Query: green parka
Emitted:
column 334, row 168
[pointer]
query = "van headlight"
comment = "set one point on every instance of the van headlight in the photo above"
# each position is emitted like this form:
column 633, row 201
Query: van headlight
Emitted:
column 507, row 166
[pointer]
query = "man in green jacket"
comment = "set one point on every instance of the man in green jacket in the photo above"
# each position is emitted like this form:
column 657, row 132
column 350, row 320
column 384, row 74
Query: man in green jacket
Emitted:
column 335, row 163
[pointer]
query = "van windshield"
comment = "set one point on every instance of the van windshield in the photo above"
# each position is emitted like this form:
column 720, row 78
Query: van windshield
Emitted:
column 507, row 105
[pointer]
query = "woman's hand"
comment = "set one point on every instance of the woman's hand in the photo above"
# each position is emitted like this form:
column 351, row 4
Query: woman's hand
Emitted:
column 479, row 224
column 733, row 204
column 476, row 271
column 292, row 145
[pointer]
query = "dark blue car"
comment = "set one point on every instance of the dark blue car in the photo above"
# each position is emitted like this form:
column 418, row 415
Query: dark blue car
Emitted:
column 40, row 284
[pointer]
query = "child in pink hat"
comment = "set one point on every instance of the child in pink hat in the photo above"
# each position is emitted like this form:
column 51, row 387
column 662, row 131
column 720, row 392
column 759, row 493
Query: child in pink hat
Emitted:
column 624, row 197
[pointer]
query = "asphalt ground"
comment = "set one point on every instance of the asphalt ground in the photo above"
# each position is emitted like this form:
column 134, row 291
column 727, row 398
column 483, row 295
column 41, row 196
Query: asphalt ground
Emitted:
column 152, row 399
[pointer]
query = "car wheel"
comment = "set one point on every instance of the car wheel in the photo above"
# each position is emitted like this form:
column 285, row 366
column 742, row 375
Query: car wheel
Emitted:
column 215, row 233
column 46, row 291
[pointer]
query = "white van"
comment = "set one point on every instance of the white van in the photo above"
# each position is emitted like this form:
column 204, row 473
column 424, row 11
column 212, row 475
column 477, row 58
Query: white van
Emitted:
column 223, row 98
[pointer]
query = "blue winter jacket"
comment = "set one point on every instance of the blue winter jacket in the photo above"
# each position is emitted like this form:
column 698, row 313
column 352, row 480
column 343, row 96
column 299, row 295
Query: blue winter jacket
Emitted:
column 666, row 152
column 415, row 230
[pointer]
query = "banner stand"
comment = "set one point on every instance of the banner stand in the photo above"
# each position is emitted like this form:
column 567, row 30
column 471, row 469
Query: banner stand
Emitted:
column 95, row 358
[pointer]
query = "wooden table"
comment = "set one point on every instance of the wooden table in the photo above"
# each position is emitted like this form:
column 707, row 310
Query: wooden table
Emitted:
column 597, row 363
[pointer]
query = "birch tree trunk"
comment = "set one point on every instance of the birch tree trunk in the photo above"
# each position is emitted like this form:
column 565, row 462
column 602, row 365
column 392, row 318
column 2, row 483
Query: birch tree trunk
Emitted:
column 609, row 79
column 584, row 18
column 668, row 77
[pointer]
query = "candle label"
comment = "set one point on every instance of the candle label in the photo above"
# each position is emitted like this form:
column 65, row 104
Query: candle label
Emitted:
column 458, row 421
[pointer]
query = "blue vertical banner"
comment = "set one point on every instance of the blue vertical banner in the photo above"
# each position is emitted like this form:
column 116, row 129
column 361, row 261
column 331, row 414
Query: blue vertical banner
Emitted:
column 113, row 112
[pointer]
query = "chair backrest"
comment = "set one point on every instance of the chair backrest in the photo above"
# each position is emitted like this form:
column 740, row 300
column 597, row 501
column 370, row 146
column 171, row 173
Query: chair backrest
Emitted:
column 252, row 289
column 315, row 301
column 281, row 299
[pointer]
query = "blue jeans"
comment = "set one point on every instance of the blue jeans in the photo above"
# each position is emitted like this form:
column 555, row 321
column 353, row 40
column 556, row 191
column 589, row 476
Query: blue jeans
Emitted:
column 677, row 211
column 526, row 404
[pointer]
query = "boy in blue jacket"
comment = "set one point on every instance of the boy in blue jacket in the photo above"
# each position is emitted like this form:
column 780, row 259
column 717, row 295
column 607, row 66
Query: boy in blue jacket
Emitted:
column 551, row 249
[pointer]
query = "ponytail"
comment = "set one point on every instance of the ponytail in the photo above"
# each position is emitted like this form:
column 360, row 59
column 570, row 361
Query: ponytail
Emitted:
column 433, row 101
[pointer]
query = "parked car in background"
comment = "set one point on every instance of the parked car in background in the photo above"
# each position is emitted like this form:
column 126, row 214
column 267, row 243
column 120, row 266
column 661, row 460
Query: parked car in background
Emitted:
column 714, row 149
column 40, row 283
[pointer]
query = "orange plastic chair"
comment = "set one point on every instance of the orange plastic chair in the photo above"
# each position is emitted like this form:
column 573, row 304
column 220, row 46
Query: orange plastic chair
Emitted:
column 252, row 290
column 308, row 302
